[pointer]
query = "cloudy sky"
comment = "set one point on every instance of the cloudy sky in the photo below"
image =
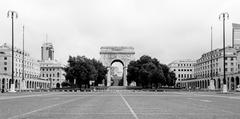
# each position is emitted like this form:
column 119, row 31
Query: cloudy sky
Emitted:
column 166, row 29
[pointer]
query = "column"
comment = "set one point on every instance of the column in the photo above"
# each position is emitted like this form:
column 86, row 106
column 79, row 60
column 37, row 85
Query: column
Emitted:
column 229, row 82
column 234, row 84
column 108, row 77
column 125, row 76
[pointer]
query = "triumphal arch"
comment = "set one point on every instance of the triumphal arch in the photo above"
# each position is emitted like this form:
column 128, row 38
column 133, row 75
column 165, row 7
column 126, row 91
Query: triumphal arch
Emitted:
column 111, row 54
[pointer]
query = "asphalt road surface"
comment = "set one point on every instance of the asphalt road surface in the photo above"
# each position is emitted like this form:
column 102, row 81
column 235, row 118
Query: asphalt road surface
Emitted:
column 120, row 105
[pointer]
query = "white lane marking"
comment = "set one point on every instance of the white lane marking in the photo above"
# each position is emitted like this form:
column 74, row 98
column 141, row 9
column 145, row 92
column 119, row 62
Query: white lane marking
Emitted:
column 205, row 100
column 129, row 107
column 37, row 110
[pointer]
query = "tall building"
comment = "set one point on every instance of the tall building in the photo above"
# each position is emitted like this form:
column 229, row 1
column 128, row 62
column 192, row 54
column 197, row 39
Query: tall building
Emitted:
column 183, row 69
column 31, row 70
column 47, row 51
column 236, row 36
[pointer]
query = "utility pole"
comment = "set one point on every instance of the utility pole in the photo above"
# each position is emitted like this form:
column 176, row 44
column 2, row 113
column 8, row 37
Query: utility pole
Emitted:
column 212, row 86
column 23, row 61
column 223, row 16
column 13, row 15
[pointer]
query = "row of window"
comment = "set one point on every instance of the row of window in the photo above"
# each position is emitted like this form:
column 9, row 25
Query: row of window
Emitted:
column 51, row 75
column 214, row 73
column 184, row 76
column 182, row 70
column 184, row 65
column 49, row 69
column 213, row 65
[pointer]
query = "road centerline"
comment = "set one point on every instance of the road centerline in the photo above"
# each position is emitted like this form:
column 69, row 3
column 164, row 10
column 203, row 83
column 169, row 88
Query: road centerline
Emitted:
column 129, row 107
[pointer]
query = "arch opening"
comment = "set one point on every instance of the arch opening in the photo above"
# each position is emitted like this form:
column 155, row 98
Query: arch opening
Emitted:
column 116, row 72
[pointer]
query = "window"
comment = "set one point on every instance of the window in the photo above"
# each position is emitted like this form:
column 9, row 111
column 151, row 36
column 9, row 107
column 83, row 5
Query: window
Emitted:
column 5, row 58
column 232, row 59
column 5, row 68
column 46, row 75
column 58, row 74
column 5, row 63
column 42, row 75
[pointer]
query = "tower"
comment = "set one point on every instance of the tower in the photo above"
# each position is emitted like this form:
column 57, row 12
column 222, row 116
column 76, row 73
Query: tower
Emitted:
column 47, row 51
column 236, row 36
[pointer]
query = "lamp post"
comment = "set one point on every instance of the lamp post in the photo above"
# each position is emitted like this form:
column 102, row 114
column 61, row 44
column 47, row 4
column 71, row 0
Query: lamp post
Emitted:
column 13, row 15
column 211, row 85
column 223, row 16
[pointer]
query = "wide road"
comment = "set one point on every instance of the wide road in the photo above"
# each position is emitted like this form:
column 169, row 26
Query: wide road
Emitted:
column 120, row 105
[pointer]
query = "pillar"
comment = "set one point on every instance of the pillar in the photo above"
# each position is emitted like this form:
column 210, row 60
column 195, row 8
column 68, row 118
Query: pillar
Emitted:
column 125, row 76
column 108, row 77
column 234, row 84
column 229, row 83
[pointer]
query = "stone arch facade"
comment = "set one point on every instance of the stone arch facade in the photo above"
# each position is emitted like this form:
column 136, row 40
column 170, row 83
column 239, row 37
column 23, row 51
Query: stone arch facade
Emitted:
column 109, row 55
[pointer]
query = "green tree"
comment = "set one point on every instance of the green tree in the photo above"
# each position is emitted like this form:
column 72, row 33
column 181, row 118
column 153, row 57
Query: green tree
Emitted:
column 81, row 70
column 148, row 71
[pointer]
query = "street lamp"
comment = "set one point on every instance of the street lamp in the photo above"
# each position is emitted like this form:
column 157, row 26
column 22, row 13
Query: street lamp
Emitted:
column 13, row 15
column 223, row 16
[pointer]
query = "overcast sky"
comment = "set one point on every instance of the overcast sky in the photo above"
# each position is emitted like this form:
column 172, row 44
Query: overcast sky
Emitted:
column 166, row 29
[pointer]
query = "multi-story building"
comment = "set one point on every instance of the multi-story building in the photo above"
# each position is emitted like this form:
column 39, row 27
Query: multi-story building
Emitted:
column 203, row 66
column 47, row 51
column 52, row 71
column 210, row 68
column 183, row 69
column 27, row 79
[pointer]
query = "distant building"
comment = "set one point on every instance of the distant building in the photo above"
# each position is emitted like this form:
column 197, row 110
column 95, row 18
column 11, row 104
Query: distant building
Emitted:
column 47, row 51
column 52, row 70
column 183, row 69
column 31, row 78
column 236, row 36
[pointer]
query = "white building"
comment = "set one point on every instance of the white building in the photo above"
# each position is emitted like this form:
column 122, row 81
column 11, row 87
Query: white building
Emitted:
column 52, row 71
column 183, row 69
column 31, row 78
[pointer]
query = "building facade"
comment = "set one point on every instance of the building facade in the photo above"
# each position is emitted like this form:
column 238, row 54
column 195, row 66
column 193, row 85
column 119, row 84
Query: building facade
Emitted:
column 183, row 69
column 210, row 66
column 52, row 71
column 27, row 79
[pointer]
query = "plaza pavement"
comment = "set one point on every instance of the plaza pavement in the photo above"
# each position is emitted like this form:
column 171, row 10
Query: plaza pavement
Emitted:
column 120, row 105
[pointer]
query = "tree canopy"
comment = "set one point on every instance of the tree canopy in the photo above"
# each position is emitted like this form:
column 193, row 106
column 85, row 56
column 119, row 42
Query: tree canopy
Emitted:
column 81, row 70
column 149, row 72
